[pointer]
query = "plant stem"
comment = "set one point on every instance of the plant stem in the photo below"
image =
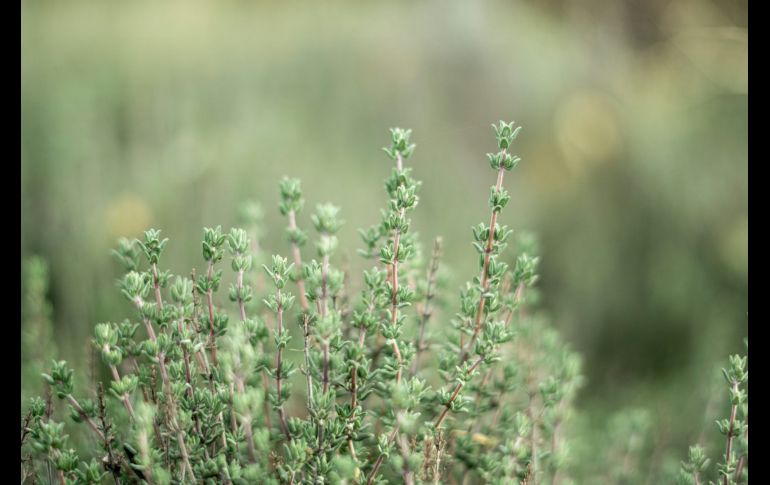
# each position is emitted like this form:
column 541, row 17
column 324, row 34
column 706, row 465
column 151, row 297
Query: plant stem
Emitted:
column 245, row 420
column 405, row 471
column 112, row 464
column 394, row 302
column 484, row 272
column 144, row 449
column 456, row 392
column 731, row 433
column 306, row 352
column 354, row 390
column 742, row 460
column 516, row 297
column 203, row 360
column 426, row 309
column 79, row 409
column 324, row 309
column 172, row 411
column 278, row 364
column 161, row 358
column 188, row 375
column 437, row 466
column 210, row 303
column 124, row 397
column 156, row 285
column 167, row 384
column 325, row 347
column 380, row 458
column 394, row 282
column 25, row 427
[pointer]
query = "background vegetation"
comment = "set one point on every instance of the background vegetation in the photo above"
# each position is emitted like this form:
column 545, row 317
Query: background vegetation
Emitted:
column 634, row 171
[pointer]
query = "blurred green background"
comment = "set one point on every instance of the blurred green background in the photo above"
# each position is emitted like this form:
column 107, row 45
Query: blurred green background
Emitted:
column 634, row 171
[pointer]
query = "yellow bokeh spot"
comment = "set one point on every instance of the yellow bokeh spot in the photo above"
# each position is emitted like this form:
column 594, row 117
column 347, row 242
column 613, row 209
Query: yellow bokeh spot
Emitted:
column 587, row 130
column 484, row 440
column 127, row 216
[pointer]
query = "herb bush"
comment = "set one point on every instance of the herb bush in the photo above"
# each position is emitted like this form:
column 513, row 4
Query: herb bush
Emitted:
column 733, row 467
column 376, row 389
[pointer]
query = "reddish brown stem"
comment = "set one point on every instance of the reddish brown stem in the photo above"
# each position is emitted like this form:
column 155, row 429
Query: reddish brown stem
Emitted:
column 405, row 471
column 484, row 274
column 172, row 416
column 353, row 387
column 731, row 433
column 241, row 304
column 79, row 409
column 203, row 360
column 456, row 392
column 124, row 398
column 739, row 468
column 394, row 281
column 742, row 460
column 378, row 462
column 161, row 357
column 156, row 284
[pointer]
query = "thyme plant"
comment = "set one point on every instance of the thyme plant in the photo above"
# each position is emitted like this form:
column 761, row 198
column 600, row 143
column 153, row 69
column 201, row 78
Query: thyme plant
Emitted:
column 389, row 381
column 733, row 467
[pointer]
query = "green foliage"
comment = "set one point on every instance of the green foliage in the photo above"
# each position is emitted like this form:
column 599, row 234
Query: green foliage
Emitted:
column 208, row 393
column 733, row 467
